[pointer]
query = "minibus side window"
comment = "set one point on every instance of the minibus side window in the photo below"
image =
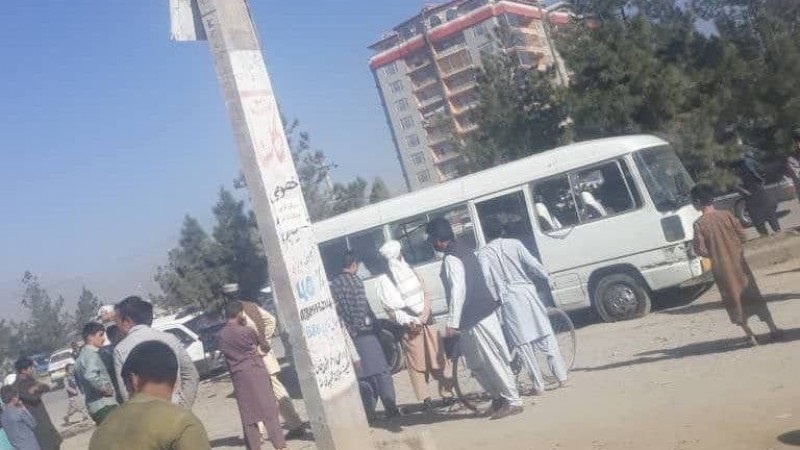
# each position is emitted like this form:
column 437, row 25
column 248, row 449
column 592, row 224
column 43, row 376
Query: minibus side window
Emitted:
column 366, row 245
column 554, row 204
column 332, row 252
column 411, row 233
column 601, row 191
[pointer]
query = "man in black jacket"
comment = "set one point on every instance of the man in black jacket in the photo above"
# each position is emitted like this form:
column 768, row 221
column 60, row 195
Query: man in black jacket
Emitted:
column 472, row 315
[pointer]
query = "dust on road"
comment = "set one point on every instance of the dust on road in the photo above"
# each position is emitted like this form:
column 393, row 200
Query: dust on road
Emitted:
column 680, row 378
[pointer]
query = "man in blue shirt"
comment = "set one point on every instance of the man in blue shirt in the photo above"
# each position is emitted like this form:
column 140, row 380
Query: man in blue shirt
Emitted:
column 18, row 423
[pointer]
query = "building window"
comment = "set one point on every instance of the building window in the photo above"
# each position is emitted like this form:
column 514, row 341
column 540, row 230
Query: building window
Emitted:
column 391, row 68
column 401, row 105
column 412, row 141
column 406, row 122
column 418, row 158
column 424, row 176
column 479, row 30
column 396, row 86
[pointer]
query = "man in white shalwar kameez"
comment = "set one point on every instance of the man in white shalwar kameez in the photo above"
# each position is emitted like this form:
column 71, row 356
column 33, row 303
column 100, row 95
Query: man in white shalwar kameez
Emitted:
column 472, row 315
column 511, row 272
column 403, row 298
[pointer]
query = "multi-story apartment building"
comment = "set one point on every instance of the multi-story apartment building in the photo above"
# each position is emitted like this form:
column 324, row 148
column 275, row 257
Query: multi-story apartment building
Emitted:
column 426, row 70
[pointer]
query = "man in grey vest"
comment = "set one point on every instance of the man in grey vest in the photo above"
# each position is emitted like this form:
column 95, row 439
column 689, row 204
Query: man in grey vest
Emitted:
column 472, row 315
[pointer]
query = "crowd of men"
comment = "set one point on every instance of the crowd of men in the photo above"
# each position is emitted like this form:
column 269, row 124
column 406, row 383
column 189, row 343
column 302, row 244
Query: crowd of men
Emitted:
column 139, row 384
column 495, row 289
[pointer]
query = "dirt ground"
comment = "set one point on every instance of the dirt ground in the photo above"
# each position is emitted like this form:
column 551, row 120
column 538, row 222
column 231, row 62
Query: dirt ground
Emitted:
column 679, row 379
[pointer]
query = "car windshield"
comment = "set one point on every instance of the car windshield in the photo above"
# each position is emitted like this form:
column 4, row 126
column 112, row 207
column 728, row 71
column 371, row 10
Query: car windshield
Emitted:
column 667, row 180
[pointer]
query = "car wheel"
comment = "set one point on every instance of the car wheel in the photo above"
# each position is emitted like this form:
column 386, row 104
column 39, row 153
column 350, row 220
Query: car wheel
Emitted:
column 620, row 297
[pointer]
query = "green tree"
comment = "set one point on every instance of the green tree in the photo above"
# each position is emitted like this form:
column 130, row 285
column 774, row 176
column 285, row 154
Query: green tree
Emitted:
column 520, row 110
column 48, row 325
column 643, row 66
column 347, row 197
column 241, row 255
column 194, row 274
column 379, row 191
column 86, row 309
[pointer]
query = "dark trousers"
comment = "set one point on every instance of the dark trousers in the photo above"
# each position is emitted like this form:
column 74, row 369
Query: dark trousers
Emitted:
column 772, row 220
column 374, row 387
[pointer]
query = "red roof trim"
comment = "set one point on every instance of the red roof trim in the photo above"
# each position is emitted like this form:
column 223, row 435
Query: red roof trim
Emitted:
column 447, row 29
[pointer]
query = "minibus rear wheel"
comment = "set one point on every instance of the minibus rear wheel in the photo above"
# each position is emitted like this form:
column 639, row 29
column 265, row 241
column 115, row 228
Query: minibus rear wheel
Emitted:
column 620, row 297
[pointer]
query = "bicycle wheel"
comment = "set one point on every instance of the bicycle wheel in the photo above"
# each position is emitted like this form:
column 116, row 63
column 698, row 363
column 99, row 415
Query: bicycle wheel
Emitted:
column 521, row 376
column 469, row 391
column 564, row 331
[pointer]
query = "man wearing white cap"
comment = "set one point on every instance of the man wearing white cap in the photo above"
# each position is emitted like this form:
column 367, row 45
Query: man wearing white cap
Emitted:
column 403, row 297
column 264, row 324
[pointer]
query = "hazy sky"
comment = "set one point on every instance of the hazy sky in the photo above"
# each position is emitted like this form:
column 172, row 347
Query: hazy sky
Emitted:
column 110, row 133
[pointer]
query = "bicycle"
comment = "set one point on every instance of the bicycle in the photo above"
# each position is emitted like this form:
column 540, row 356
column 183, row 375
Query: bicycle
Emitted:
column 469, row 391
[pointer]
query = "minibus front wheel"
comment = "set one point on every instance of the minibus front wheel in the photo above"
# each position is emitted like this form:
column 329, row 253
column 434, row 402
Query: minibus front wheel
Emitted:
column 620, row 297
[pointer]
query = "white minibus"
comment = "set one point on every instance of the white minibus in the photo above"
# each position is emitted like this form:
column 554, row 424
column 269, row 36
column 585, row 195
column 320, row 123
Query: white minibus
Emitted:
column 611, row 219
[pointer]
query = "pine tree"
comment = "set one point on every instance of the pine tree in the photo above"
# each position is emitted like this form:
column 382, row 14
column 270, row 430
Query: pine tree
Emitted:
column 379, row 191
column 87, row 308
column 47, row 326
column 194, row 274
column 520, row 110
column 241, row 255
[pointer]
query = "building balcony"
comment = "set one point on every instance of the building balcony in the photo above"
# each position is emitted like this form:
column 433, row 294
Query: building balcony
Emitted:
column 455, row 71
column 445, row 157
column 465, row 108
column 451, row 50
column 424, row 65
column 455, row 92
column 438, row 139
column 425, row 84
column 429, row 102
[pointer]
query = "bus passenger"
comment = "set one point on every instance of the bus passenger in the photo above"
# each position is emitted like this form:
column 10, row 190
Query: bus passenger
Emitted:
column 472, row 315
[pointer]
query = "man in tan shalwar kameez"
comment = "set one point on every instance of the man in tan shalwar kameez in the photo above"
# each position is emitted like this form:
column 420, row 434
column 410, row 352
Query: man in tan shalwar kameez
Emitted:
column 403, row 297
column 719, row 236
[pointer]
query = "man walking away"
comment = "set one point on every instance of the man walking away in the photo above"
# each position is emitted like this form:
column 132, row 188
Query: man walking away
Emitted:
column 93, row 376
column 18, row 423
column 511, row 273
column 760, row 204
column 134, row 318
column 472, row 315
column 719, row 236
column 30, row 392
column 793, row 162
column 403, row 297
column 74, row 405
column 149, row 420
column 264, row 324
column 374, row 377
column 257, row 403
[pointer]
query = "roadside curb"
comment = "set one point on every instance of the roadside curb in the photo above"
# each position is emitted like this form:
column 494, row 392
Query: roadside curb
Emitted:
column 765, row 252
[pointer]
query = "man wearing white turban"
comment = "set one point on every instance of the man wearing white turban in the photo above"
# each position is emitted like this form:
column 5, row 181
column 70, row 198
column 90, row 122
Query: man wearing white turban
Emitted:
column 403, row 297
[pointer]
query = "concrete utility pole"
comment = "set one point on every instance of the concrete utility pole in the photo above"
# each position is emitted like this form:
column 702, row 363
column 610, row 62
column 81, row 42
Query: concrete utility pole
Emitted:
column 323, row 365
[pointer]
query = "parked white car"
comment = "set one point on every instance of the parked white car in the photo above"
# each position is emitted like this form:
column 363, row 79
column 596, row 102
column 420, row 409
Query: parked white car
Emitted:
column 200, row 342
column 57, row 368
